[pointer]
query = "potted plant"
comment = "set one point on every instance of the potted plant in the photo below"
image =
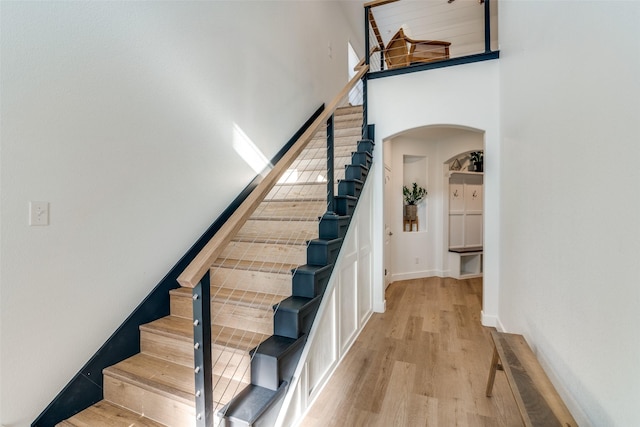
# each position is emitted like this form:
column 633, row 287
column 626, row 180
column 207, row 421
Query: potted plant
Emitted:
column 477, row 159
column 412, row 197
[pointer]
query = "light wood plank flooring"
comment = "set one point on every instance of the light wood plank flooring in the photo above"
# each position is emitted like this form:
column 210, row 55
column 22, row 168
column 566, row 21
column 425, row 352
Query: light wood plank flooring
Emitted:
column 424, row 362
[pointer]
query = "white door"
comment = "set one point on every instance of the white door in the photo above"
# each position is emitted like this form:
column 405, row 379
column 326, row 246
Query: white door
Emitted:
column 388, row 234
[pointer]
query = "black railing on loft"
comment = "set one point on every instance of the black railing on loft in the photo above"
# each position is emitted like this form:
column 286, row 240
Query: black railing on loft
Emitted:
column 379, row 51
column 487, row 27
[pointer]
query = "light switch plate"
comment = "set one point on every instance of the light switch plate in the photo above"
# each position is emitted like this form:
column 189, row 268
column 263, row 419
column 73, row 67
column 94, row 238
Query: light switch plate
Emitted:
column 38, row 213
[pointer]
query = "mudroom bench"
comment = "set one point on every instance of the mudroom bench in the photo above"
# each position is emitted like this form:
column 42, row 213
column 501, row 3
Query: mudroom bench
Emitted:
column 539, row 403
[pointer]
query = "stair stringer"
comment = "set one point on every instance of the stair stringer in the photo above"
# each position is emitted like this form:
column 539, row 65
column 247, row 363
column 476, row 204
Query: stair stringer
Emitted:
column 345, row 309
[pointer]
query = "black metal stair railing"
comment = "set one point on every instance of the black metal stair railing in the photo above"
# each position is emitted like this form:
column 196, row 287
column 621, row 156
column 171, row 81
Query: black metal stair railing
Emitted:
column 330, row 165
column 309, row 281
column 275, row 359
column 284, row 313
column 201, row 295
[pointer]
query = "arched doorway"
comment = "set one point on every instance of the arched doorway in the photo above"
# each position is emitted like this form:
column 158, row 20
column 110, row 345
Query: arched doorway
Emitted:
column 424, row 156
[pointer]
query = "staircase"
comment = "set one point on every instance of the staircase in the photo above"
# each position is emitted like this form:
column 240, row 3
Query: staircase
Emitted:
column 266, row 286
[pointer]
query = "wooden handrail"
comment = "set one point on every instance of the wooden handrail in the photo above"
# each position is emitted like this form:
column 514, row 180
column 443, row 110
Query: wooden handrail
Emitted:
column 203, row 261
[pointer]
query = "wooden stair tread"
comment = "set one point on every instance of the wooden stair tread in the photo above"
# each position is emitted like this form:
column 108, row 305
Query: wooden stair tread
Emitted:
column 342, row 150
column 298, row 199
column 275, row 241
column 181, row 329
column 347, row 112
column 349, row 109
column 320, row 152
column 343, row 121
column 236, row 338
column 310, row 184
column 219, row 293
column 259, row 251
column 298, row 191
column 105, row 413
column 267, row 267
column 316, row 166
column 283, row 218
column 245, row 298
column 150, row 373
column 302, row 218
column 181, row 292
column 347, row 122
column 320, row 140
column 280, row 229
column 165, row 378
column 174, row 327
column 342, row 131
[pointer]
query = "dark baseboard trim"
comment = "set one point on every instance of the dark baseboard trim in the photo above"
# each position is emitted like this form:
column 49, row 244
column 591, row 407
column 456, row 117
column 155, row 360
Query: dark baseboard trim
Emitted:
column 434, row 65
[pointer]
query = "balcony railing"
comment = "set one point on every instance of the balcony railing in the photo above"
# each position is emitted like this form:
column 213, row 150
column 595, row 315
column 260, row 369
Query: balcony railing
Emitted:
column 403, row 36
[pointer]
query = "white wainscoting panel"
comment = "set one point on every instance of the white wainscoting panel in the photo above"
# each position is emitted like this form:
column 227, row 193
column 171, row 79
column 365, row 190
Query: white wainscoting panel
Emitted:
column 348, row 301
column 345, row 309
column 324, row 348
column 365, row 296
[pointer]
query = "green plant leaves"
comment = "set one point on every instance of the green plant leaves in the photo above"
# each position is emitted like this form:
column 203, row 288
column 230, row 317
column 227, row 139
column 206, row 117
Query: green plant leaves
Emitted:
column 413, row 195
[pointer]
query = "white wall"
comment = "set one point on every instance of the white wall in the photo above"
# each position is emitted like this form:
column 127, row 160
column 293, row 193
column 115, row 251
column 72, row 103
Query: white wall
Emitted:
column 430, row 244
column 464, row 96
column 570, row 233
column 121, row 116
